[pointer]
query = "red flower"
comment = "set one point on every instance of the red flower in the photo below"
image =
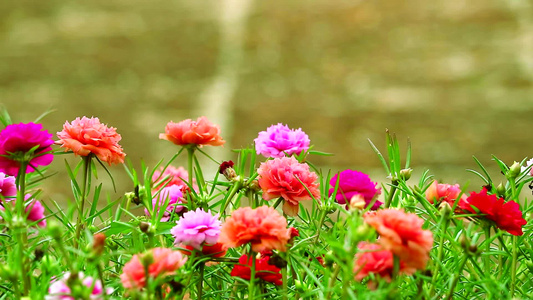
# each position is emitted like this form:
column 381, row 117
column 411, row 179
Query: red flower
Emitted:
column 263, row 270
column 506, row 215
column 372, row 258
column 216, row 250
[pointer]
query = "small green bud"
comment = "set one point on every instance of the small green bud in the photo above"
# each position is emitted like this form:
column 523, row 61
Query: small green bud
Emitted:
column 144, row 226
column 405, row 174
column 500, row 190
column 55, row 230
column 147, row 259
column 445, row 209
column 514, row 170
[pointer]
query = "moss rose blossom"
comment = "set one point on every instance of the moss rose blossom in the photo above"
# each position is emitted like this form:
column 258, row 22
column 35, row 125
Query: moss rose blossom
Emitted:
column 196, row 228
column 279, row 140
column 352, row 184
column 372, row 258
column 188, row 132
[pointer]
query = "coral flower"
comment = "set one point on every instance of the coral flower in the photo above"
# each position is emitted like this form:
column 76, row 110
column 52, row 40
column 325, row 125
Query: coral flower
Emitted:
column 170, row 176
column 59, row 289
column 188, row 132
column 279, row 140
column 196, row 228
column 16, row 141
column 8, row 188
column 174, row 196
column 283, row 177
column 163, row 262
column 506, row 215
column 87, row 135
column 440, row 192
column 263, row 269
column 354, row 185
column 263, row 227
column 402, row 234
column 372, row 258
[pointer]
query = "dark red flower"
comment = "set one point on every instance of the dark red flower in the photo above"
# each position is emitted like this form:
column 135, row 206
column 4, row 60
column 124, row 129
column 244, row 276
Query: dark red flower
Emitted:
column 216, row 250
column 224, row 165
column 506, row 215
column 263, row 269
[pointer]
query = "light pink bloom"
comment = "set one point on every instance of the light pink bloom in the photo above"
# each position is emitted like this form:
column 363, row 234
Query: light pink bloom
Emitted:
column 87, row 135
column 59, row 289
column 283, row 177
column 279, row 140
column 171, row 176
column 8, row 189
column 173, row 196
column 196, row 228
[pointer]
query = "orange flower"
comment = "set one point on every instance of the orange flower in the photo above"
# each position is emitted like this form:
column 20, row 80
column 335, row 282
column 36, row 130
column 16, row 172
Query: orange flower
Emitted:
column 200, row 132
column 402, row 234
column 87, row 135
column 263, row 227
column 161, row 262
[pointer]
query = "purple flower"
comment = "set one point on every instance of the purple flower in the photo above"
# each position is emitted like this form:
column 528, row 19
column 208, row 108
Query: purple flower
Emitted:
column 34, row 210
column 8, row 189
column 173, row 195
column 279, row 140
column 354, row 183
column 196, row 228
column 18, row 139
column 59, row 289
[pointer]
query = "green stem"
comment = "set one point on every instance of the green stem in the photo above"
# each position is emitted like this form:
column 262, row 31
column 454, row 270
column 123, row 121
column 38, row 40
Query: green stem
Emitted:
column 456, row 277
column 444, row 224
column 200, row 284
column 284, row 281
column 332, row 280
column 190, row 170
column 101, row 276
column 486, row 258
column 21, row 231
column 514, row 265
column 391, row 194
column 234, row 189
column 251, row 286
column 395, row 267
column 86, row 174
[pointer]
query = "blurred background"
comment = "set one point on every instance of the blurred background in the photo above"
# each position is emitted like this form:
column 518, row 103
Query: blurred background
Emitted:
column 455, row 77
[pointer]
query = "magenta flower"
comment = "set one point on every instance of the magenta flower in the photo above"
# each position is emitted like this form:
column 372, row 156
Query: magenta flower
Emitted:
column 59, row 289
column 355, row 184
column 173, row 195
column 8, row 189
column 16, row 140
column 196, row 228
column 34, row 210
column 279, row 140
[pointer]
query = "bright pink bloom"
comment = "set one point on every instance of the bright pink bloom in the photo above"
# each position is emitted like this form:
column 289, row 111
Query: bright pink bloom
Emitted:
column 279, row 140
column 352, row 184
column 263, row 227
column 372, row 258
column 33, row 208
column 402, row 234
column 164, row 262
column 197, row 228
column 173, row 196
column 170, row 176
column 188, row 132
column 283, row 177
column 440, row 192
column 18, row 139
column 263, row 269
column 8, row 188
column 59, row 289
column 506, row 215
column 87, row 135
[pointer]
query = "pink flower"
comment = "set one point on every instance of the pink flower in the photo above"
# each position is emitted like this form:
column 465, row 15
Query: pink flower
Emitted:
column 33, row 208
column 16, row 140
column 171, row 176
column 440, row 192
column 8, row 188
column 263, row 227
column 87, row 135
column 281, row 177
column 372, row 258
column 279, row 140
column 196, row 228
column 355, row 184
column 529, row 163
column 59, row 289
column 173, row 196
column 188, row 132
column 402, row 234
column 505, row 215
column 164, row 262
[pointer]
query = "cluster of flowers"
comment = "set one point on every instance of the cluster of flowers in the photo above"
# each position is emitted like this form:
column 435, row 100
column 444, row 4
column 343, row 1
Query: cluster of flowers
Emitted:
column 402, row 239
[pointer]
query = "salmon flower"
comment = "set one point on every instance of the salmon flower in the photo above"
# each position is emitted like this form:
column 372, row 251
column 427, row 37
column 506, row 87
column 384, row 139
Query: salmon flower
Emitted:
column 440, row 192
column 87, row 135
column 506, row 215
column 372, row 258
column 283, row 177
column 264, row 228
column 163, row 262
column 402, row 234
column 188, row 132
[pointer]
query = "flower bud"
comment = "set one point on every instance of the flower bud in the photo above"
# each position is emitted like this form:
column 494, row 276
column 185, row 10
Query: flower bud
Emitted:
column 98, row 243
column 500, row 190
column 514, row 170
column 54, row 229
column 145, row 227
column 445, row 209
column 357, row 202
column 405, row 174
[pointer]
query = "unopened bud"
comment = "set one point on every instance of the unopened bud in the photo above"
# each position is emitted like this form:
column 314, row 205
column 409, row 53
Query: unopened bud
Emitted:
column 357, row 202
column 445, row 209
column 144, row 226
column 147, row 259
column 54, row 229
column 405, row 174
column 500, row 190
column 98, row 243
column 514, row 170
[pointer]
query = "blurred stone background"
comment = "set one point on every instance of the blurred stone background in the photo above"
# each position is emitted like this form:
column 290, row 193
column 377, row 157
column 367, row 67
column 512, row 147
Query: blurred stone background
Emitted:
column 453, row 76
